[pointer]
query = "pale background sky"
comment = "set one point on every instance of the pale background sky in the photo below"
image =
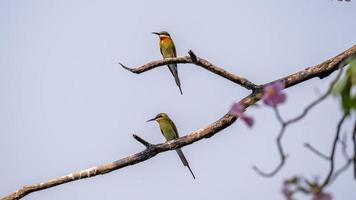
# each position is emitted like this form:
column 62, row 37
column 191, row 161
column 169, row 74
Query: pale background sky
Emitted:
column 67, row 105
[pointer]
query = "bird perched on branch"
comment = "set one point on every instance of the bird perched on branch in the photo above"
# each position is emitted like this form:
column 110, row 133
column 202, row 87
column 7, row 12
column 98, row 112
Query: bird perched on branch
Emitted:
column 168, row 50
column 170, row 132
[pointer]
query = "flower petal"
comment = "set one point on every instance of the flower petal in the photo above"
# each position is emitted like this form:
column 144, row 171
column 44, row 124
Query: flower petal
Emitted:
column 236, row 109
column 278, row 86
column 248, row 120
column 272, row 94
column 287, row 192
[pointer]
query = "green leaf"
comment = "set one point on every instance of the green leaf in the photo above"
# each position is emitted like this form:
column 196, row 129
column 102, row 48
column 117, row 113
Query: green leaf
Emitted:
column 340, row 85
column 352, row 71
column 345, row 86
column 353, row 103
column 346, row 98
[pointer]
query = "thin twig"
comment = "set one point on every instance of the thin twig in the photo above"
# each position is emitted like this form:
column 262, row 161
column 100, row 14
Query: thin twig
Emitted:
column 331, row 174
column 341, row 170
column 317, row 152
column 282, row 155
column 331, row 177
column 317, row 101
column 333, row 150
column 142, row 141
column 283, row 158
column 193, row 56
column 348, row 160
column 343, row 143
column 278, row 115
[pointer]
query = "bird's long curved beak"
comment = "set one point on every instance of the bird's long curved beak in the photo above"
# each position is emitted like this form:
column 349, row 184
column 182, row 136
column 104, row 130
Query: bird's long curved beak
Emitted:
column 150, row 120
column 155, row 33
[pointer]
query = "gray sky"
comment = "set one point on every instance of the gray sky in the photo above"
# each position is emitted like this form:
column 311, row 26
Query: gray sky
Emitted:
column 66, row 104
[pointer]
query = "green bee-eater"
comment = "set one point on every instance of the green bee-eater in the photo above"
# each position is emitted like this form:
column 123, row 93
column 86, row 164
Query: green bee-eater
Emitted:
column 168, row 50
column 170, row 132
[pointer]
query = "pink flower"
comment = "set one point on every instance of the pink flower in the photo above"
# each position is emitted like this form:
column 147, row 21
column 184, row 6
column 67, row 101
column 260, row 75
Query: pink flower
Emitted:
column 273, row 94
column 322, row 196
column 286, row 191
column 237, row 109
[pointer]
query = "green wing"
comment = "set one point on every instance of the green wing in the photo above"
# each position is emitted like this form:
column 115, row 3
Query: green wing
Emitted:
column 169, row 130
column 174, row 50
column 175, row 129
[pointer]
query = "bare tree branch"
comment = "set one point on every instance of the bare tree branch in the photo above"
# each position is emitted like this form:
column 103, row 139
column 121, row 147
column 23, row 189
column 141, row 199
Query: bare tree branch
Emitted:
column 321, row 70
column 193, row 59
